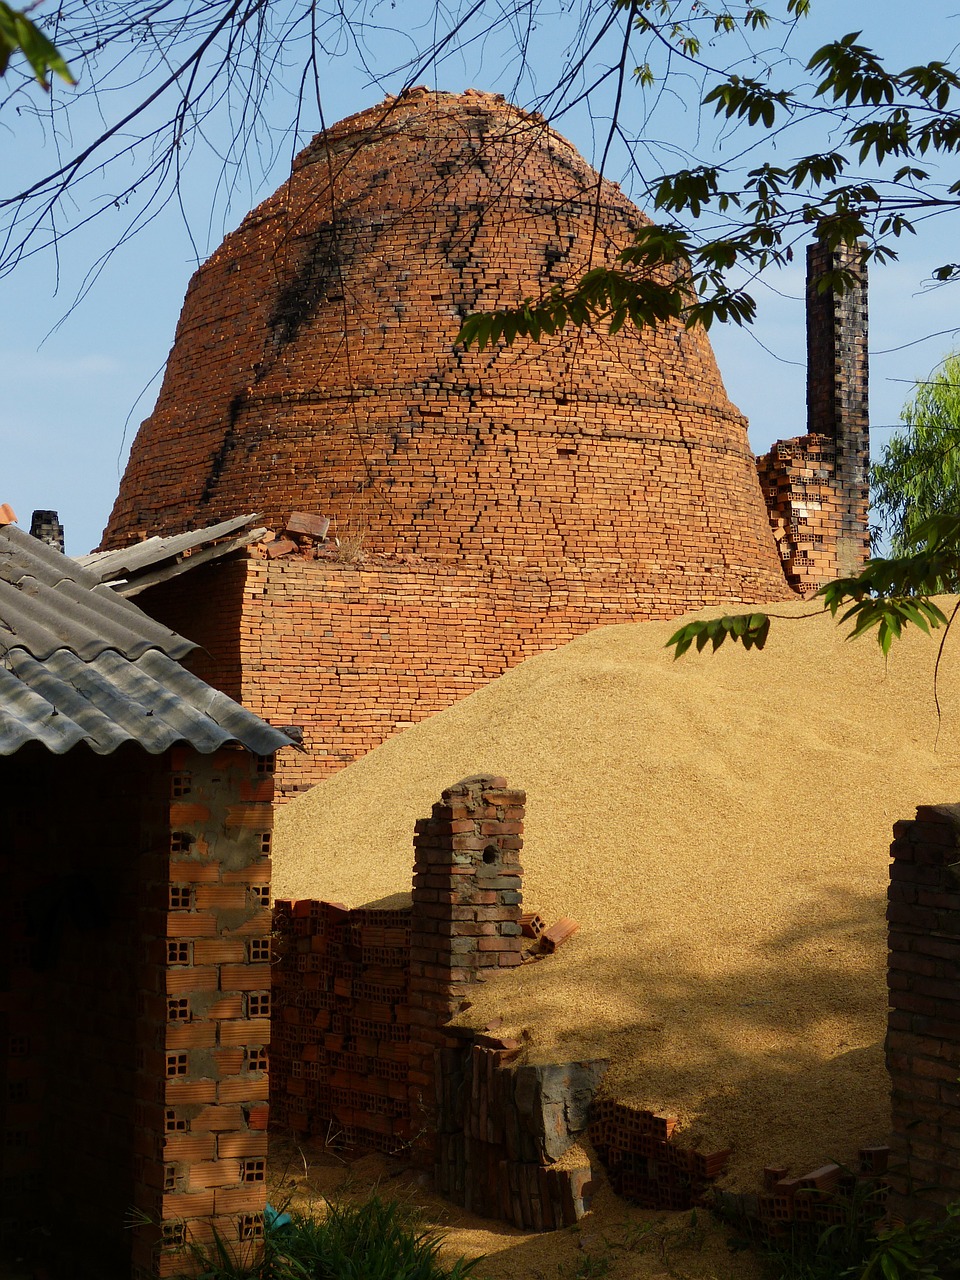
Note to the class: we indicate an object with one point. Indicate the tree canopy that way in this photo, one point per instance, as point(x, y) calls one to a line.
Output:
point(918, 474)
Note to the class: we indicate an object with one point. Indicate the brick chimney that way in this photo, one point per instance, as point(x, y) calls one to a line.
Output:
point(46, 526)
point(817, 486)
point(837, 389)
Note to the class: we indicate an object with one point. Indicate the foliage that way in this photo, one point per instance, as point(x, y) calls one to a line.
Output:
point(918, 474)
point(215, 74)
point(920, 1250)
point(887, 596)
point(894, 120)
point(17, 32)
point(858, 1246)
point(374, 1240)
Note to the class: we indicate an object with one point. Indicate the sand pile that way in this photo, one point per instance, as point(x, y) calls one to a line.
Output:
point(720, 828)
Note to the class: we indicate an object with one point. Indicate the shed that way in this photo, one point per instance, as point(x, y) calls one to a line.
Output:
point(135, 957)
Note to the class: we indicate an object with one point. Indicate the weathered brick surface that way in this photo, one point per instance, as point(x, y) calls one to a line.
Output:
point(315, 365)
point(355, 653)
point(817, 486)
point(923, 1035)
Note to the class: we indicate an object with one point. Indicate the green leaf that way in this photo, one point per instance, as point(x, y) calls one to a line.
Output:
point(17, 32)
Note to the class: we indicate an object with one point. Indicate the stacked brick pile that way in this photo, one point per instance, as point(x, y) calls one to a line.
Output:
point(341, 1033)
point(806, 508)
point(923, 1037)
point(643, 1164)
point(504, 1126)
point(465, 920)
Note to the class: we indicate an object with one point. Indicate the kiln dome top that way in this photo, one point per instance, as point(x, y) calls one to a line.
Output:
point(315, 366)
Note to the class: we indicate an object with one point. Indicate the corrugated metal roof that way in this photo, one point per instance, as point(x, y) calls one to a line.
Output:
point(131, 570)
point(48, 602)
point(78, 664)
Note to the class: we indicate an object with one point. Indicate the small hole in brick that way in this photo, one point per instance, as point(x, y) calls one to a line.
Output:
point(176, 1064)
point(179, 785)
point(178, 953)
point(250, 1226)
point(173, 1123)
point(491, 853)
point(254, 1170)
point(258, 1006)
point(260, 949)
point(265, 842)
point(178, 1010)
point(261, 893)
point(174, 1235)
point(169, 1177)
point(179, 897)
point(180, 842)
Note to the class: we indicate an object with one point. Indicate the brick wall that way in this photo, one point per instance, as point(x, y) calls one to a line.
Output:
point(354, 653)
point(204, 1015)
point(341, 1033)
point(923, 1036)
point(363, 1053)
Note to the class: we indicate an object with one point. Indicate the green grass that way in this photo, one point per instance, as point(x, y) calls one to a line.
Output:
point(375, 1240)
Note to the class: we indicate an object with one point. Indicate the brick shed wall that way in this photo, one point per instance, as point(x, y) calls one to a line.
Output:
point(354, 653)
point(205, 925)
point(134, 1010)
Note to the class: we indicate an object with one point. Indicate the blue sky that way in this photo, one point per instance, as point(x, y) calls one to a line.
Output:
point(77, 382)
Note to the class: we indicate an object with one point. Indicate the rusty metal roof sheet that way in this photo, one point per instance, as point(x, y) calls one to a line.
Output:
point(131, 570)
point(78, 664)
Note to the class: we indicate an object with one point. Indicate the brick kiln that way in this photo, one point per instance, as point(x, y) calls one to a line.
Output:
point(486, 506)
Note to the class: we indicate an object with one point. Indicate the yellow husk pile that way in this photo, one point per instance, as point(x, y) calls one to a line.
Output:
point(720, 828)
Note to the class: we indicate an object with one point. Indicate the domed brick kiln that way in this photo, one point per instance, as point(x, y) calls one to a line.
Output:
point(488, 505)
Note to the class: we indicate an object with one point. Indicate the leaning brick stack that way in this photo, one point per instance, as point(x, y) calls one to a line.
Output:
point(527, 493)
point(643, 1164)
point(923, 1035)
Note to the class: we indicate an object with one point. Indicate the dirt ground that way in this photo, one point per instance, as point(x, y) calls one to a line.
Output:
point(614, 1240)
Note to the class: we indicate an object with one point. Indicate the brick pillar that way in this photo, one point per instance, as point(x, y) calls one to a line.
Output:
point(837, 391)
point(204, 1018)
point(923, 1036)
point(465, 921)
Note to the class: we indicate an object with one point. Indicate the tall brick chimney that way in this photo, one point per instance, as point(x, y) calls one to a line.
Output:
point(817, 486)
point(837, 389)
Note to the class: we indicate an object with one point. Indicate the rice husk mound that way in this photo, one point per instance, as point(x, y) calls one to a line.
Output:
point(720, 827)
